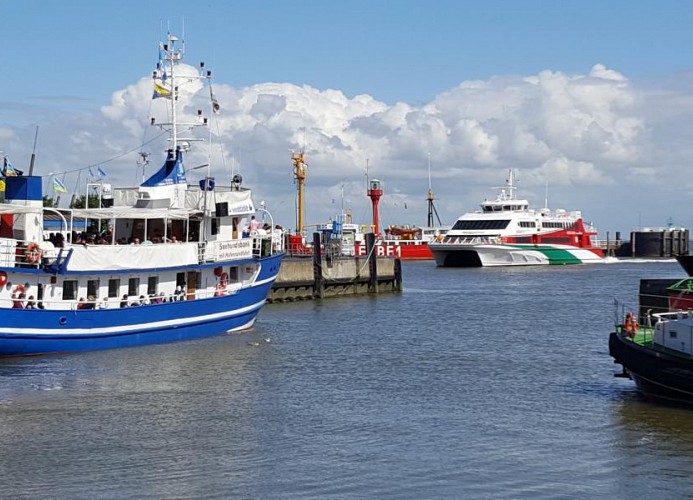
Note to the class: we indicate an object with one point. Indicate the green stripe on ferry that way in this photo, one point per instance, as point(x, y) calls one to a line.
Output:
point(556, 256)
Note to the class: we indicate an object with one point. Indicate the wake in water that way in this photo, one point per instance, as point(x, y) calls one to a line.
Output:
point(635, 260)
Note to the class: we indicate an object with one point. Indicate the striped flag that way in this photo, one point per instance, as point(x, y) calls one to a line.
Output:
point(59, 186)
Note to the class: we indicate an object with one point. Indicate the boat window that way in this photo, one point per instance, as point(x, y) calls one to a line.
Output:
point(152, 285)
point(467, 225)
point(134, 287)
point(180, 279)
point(525, 223)
point(114, 287)
point(215, 225)
point(672, 334)
point(93, 288)
point(70, 290)
point(233, 274)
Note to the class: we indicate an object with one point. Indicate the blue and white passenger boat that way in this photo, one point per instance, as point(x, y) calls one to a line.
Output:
point(161, 262)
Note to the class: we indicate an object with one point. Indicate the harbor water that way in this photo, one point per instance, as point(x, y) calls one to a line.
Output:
point(471, 383)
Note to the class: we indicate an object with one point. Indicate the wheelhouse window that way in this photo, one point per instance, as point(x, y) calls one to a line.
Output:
point(70, 289)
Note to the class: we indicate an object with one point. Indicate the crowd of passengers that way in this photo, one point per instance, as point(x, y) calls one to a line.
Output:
point(106, 238)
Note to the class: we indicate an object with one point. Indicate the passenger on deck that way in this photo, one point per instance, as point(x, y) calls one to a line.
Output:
point(80, 303)
point(30, 304)
point(90, 303)
point(124, 301)
point(19, 302)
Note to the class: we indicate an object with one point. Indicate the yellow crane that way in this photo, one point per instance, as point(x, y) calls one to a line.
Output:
point(300, 178)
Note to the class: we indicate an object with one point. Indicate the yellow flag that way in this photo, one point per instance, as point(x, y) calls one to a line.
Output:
point(2, 184)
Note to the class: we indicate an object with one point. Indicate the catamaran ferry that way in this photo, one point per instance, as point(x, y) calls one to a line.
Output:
point(506, 232)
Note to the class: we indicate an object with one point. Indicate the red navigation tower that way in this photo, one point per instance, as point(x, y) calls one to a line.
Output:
point(375, 191)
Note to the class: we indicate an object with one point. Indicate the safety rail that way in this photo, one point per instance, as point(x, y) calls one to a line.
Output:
point(30, 299)
point(24, 254)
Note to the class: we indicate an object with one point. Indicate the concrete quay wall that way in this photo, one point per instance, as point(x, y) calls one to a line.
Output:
point(307, 279)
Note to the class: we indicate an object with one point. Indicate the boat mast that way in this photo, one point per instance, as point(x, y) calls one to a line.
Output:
point(300, 178)
point(431, 207)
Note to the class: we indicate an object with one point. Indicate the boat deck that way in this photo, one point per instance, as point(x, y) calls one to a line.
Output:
point(645, 337)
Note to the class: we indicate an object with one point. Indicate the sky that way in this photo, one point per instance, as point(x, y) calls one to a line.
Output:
point(589, 102)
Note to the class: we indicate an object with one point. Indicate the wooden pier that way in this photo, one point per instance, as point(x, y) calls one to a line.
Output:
point(320, 276)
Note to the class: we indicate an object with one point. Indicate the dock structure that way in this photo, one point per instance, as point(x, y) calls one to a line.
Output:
point(321, 276)
point(649, 242)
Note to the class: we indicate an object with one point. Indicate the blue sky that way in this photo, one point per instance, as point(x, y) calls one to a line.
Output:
point(62, 62)
point(393, 50)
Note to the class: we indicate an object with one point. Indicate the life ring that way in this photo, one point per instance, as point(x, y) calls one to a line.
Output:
point(3, 278)
point(33, 253)
point(17, 291)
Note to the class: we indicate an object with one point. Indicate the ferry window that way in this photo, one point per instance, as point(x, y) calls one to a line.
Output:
point(233, 275)
point(215, 225)
point(134, 286)
point(152, 285)
point(93, 288)
point(70, 290)
point(672, 334)
point(180, 279)
point(114, 288)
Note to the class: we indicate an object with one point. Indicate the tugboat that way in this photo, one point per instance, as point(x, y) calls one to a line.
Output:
point(506, 232)
point(656, 350)
point(161, 262)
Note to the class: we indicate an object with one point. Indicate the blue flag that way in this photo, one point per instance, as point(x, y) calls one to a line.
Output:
point(101, 172)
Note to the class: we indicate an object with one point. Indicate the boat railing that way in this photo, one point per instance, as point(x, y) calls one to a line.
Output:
point(28, 299)
point(27, 254)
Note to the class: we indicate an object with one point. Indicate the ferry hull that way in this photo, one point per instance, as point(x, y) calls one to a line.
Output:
point(656, 374)
point(35, 332)
point(451, 255)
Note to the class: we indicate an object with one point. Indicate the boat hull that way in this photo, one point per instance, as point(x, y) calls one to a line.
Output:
point(405, 252)
point(452, 255)
point(35, 332)
point(656, 373)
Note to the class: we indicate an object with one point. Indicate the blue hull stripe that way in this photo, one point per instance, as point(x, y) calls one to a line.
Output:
point(127, 329)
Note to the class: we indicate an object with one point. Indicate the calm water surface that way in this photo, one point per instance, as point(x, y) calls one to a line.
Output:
point(472, 383)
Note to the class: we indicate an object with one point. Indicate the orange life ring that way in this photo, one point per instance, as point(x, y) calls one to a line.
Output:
point(3, 278)
point(33, 253)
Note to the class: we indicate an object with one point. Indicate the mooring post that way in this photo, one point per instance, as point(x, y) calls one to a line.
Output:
point(318, 282)
point(398, 275)
point(372, 263)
